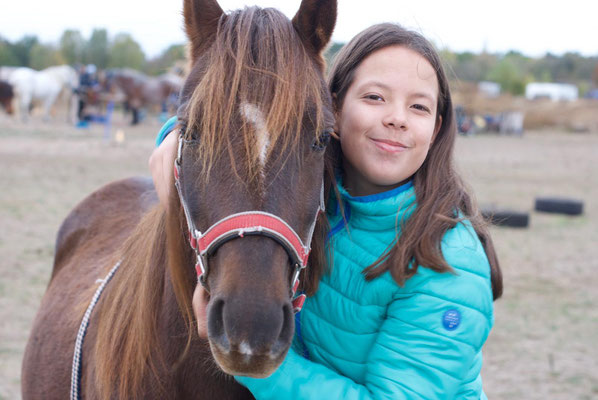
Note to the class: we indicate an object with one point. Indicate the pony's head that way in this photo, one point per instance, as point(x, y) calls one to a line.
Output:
point(255, 116)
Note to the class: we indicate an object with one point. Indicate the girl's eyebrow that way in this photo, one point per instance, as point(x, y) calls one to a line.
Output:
point(424, 95)
point(379, 84)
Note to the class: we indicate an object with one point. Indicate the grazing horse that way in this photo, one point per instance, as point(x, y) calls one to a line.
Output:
point(43, 87)
point(6, 96)
point(142, 91)
point(254, 120)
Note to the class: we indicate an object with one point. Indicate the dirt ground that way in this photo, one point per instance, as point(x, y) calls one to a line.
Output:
point(544, 343)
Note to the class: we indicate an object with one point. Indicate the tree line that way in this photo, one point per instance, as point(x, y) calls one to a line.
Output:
point(120, 51)
point(512, 70)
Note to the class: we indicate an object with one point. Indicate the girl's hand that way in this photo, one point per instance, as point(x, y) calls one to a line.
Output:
point(161, 165)
point(200, 303)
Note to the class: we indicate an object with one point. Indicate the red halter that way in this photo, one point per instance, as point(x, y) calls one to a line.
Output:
point(247, 223)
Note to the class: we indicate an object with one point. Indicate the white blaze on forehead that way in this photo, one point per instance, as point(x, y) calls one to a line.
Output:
point(254, 115)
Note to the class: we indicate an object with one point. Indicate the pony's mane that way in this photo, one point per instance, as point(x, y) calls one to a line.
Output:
point(256, 58)
point(129, 312)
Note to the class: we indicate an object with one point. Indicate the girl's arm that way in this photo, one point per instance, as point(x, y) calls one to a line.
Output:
point(421, 351)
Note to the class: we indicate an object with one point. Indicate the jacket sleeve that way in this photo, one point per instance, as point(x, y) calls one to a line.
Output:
point(425, 349)
point(166, 129)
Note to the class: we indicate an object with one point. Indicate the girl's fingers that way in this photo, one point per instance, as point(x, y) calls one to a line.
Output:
point(200, 304)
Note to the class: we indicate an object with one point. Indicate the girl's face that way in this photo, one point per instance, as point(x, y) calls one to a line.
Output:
point(387, 120)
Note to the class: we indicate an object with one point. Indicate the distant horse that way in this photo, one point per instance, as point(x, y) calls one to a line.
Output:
point(6, 96)
point(254, 121)
point(142, 91)
point(43, 87)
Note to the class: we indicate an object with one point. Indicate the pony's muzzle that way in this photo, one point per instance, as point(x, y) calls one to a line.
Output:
point(250, 339)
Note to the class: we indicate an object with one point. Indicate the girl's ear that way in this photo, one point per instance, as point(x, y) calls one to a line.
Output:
point(336, 132)
point(437, 128)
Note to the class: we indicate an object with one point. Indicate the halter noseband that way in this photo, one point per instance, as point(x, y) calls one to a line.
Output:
point(246, 223)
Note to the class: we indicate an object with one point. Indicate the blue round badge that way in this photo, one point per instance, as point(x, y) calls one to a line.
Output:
point(451, 319)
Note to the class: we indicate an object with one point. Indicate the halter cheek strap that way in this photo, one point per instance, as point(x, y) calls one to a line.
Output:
point(243, 224)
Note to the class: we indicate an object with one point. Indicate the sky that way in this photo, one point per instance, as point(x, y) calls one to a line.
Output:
point(530, 26)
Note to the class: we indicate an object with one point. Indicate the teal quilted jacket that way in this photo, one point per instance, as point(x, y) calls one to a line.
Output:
point(376, 340)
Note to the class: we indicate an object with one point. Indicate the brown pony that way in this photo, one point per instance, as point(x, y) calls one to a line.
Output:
point(142, 91)
point(6, 96)
point(255, 110)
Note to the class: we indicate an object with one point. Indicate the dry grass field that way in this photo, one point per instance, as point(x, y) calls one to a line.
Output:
point(545, 341)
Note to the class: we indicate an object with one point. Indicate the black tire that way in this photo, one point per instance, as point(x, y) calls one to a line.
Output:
point(559, 205)
point(509, 218)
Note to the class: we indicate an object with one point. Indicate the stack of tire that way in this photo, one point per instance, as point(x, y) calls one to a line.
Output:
point(520, 219)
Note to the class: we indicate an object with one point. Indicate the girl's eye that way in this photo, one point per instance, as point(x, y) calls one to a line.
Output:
point(421, 107)
point(320, 143)
point(374, 97)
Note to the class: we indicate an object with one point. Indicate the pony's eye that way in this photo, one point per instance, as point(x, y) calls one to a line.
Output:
point(320, 143)
point(193, 135)
point(188, 134)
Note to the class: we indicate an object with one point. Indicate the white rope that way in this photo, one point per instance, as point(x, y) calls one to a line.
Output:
point(76, 371)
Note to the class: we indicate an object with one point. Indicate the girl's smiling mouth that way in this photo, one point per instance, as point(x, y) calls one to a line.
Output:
point(390, 146)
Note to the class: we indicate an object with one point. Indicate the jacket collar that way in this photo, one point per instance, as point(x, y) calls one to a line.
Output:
point(381, 211)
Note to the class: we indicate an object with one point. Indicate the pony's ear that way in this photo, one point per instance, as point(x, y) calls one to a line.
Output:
point(201, 23)
point(315, 22)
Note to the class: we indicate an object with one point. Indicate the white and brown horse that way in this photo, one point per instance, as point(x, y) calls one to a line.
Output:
point(43, 88)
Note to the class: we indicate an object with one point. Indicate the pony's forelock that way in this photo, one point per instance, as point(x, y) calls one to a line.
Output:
point(256, 59)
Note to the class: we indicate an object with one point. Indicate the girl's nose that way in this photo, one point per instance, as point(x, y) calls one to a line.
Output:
point(396, 118)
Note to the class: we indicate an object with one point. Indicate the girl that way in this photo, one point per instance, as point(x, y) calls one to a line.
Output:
point(407, 304)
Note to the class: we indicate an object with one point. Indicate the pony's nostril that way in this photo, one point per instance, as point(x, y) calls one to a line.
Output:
point(216, 325)
point(287, 331)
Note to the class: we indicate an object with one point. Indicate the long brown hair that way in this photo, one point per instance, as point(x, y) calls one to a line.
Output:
point(443, 199)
